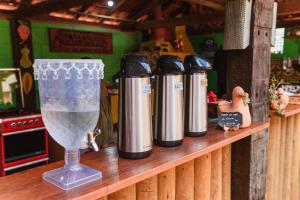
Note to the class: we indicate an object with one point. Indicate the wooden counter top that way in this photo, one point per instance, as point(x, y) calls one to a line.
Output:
point(290, 110)
point(117, 172)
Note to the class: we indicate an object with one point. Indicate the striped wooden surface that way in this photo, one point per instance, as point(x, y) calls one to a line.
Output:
point(283, 169)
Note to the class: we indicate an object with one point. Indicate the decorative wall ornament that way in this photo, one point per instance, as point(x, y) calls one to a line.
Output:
point(63, 40)
point(23, 58)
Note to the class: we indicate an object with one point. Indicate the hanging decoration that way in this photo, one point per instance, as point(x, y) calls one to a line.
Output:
point(23, 58)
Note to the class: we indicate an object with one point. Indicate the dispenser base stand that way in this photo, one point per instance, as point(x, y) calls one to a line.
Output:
point(73, 174)
point(66, 179)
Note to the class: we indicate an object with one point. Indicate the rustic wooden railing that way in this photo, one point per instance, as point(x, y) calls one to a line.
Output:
point(283, 169)
point(198, 169)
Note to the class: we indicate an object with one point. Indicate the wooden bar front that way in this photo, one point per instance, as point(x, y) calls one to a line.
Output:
point(283, 171)
point(202, 163)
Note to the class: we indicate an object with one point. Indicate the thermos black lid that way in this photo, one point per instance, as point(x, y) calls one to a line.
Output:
point(134, 65)
point(168, 64)
point(196, 63)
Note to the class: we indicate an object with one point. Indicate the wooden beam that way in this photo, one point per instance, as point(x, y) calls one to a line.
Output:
point(145, 9)
point(288, 7)
point(193, 20)
point(53, 5)
point(56, 20)
point(207, 3)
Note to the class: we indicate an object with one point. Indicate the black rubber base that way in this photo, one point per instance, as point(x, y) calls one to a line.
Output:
point(137, 155)
point(167, 143)
point(195, 134)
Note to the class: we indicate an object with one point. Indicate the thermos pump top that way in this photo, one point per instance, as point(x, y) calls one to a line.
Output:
point(135, 120)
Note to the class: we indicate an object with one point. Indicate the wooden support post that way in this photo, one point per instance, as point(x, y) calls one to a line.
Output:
point(295, 181)
point(250, 69)
point(147, 189)
point(288, 152)
point(202, 177)
point(128, 193)
point(272, 173)
point(185, 181)
point(216, 175)
point(226, 173)
point(166, 185)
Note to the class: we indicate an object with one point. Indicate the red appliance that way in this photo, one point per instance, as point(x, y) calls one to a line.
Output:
point(23, 142)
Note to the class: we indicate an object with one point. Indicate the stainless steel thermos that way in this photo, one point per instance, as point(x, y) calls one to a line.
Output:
point(135, 120)
point(195, 95)
point(168, 130)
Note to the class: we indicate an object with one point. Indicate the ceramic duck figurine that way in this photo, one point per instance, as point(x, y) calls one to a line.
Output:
point(240, 101)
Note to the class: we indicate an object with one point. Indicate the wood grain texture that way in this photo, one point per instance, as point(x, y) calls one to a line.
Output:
point(226, 172)
point(166, 185)
point(275, 123)
point(185, 181)
point(147, 189)
point(216, 175)
point(203, 177)
point(282, 157)
point(103, 198)
point(288, 156)
point(128, 193)
point(119, 173)
point(290, 110)
point(295, 177)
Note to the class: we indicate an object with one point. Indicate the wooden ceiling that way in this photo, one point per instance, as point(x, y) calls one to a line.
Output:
point(137, 14)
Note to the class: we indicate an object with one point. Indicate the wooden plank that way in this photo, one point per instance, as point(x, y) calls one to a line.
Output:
point(193, 20)
point(147, 189)
point(119, 173)
point(288, 7)
point(288, 156)
point(282, 157)
point(216, 175)
point(277, 152)
point(185, 181)
point(202, 177)
point(272, 166)
point(226, 172)
point(207, 3)
point(290, 110)
point(128, 193)
point(46, 7)
point(295, 177)
point(166, 185)
point(103, 198)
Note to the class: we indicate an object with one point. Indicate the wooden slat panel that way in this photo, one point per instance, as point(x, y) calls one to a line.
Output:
point(282, 157)
point(216, 175)
point(185, 181)
point(147, 189)
point(288, 153)
point(295, 184)
point(226, 173)
point(166, 185)
point(103, 198)
point(272, 158)
point(202, 177)
point(128, 193)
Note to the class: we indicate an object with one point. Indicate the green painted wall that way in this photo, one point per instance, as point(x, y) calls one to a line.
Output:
point(196, 41)
point(290, 49)
point(123, 42)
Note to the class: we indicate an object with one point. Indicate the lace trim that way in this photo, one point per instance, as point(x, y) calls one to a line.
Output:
point(44, 67)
